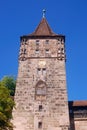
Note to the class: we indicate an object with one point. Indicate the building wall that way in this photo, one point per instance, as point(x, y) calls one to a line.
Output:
point(81, 124)
point(41, 94)
point(78, 115)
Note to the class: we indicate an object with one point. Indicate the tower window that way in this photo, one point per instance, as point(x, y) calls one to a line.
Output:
point(24, 40)
point(24, 51)
point(59, 50)
point(47, 50)
point(39, 125)
point(58, 42)
point(43, 71)
point(41, 88)
point(40, 93)
point(37, 50)
point(40, 107)
point(47, 42)
point(39, 71)
point(62, 50)
point(37, 42)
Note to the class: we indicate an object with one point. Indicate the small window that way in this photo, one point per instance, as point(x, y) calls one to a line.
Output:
point(37, 42)
point(37, 50)
point(40, 107)
point(24, 51)
point(44, 71)
point(58, 42)
point(24, 40)
point(47, 50)
point(62, 41)
point(62, 50)
point(39, 71)
point(59, 50)
point(39, 125)
point(47, 41)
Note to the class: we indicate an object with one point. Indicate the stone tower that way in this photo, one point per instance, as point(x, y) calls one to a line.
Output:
point(41, 94)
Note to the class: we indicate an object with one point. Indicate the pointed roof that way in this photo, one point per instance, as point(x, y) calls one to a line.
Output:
point(43, 29)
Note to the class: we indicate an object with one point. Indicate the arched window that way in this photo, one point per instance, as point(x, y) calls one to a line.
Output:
point(40, 90)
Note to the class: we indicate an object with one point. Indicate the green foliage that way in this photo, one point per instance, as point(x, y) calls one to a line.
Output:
point(10, 83)
point(6, 106)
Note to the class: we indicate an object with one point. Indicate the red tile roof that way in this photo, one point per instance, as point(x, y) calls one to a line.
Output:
point(43, 29)
point(78, 103)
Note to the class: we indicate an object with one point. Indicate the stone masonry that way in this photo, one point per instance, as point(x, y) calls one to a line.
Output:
point(41, 93)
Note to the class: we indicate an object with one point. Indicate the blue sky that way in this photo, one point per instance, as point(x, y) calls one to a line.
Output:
point(68, 17)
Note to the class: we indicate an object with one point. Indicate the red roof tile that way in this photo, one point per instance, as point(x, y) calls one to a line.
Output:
point(78, 103)
point(43, 29)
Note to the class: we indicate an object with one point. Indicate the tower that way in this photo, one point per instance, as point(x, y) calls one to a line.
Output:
point(41, 94)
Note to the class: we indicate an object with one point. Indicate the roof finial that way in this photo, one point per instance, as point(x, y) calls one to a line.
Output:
point(44, 12)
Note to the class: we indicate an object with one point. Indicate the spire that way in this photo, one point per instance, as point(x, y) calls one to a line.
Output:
point(44, 12)
point(43, 29)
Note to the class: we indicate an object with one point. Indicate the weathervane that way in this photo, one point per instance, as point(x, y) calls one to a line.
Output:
point(44, 12)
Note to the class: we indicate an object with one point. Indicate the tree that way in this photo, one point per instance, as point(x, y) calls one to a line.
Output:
point(10, 83)
point(6, 106)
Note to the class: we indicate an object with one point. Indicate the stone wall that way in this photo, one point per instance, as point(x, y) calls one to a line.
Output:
point(41, 94)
